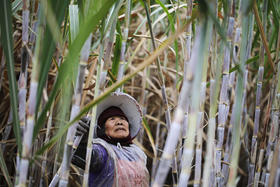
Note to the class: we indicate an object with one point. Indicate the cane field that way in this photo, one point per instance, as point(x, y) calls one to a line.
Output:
point(205, 72)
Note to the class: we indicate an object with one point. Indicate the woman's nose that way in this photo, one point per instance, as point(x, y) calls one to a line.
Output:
point(118, 122)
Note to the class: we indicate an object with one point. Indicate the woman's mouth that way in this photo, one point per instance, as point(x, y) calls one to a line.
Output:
point(120, 129)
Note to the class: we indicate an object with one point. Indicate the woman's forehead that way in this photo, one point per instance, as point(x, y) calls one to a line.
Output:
point(118, 116)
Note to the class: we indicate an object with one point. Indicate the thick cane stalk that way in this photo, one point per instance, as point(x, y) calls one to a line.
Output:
point(194, 107)
point(77, 97)
point(209, 178)
point(237, 111)
point(173, 135)
point(187, 54)
point(92, 124)
point(28, 133)
point(24, 64)
point(224, 102)
point(225, 167)
point(97, 91)
point(254, 144)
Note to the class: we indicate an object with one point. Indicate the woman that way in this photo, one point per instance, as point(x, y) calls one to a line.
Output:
point(115, 160)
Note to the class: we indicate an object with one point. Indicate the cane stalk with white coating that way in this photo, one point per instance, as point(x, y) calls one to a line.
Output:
point(237, 110)
point(97, 91)
point(224, 103)
point(193, 114)
point(187, 54)
point(28, 133)
point(225, 167)
point(217, 66)
point(22, 82)
point(174, 133)
point(76, 101)
point(254, 144)
point(92, 123)
point(275, 171)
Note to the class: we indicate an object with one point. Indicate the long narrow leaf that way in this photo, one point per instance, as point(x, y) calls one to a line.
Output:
point(48, 46)
point(70, 63)
point(7, 44)
point(4, 169)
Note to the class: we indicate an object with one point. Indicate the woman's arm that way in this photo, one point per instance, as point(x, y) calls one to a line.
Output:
point(99, 156)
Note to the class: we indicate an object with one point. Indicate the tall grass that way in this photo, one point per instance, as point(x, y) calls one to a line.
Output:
point(220, 58)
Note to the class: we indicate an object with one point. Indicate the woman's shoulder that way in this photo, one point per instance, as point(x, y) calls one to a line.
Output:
point(101, 144)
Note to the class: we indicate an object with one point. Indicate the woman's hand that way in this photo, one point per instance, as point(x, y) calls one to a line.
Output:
point(83, 126)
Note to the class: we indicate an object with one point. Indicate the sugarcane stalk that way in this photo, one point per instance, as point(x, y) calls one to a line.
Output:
point(92, 124)
point(211, 135)
point(23, 73)
point(228, 146)
point(24, 64)
point(259, 167)
point(68, 148)
point(195, 104)
point(174, 133)
point(124, 40)
point(187, 55)
point(237, 111)
point(268, 168)
point(225, 167)
point(277, 168)
point(28, 133)
point(162, 84)
point(97, 90)
point(224, 102)
point(274, 172)
point(254, 144)
point(198, 151)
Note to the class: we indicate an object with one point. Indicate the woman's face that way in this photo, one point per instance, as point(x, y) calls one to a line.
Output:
point(117, 127)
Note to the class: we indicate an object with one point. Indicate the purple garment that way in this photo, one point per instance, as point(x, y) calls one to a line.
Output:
point(114, 165)
point(102, 167)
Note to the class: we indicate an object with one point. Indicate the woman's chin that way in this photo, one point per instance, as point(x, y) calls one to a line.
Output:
point(120, 136)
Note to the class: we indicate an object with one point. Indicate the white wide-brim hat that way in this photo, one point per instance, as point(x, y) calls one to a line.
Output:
point(128, 105)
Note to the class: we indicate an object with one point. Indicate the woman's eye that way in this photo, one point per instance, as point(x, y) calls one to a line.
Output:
point(112, 118)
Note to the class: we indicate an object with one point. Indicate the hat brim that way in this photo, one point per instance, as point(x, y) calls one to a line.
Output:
point(128, 105)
